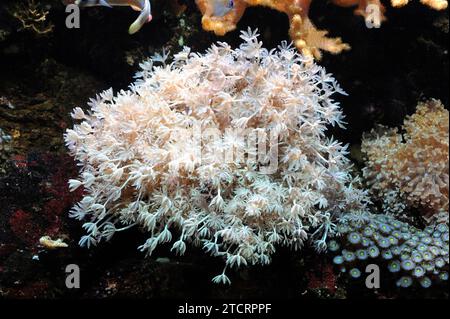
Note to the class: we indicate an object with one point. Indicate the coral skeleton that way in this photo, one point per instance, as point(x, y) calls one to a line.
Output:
point(411, 169)
point(141, 166)
point(306, 37)
point(48, 243)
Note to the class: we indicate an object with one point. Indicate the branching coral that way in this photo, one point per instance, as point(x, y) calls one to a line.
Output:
point(33, 16)
point(309, 40)
point(435, 4)
point(411, 168)
point(306, 37)
point(184, 151)
point(410, 254)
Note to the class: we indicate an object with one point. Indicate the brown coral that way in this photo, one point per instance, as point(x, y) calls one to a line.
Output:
point(33, 16)
point(412, 167)
point(306, 37)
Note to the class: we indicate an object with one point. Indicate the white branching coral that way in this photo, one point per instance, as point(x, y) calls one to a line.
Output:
point(182, 154)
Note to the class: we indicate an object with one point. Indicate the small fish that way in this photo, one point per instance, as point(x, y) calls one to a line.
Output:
point(222, 7)
point(143, 6)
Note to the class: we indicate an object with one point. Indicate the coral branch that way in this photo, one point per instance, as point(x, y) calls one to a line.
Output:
point(306, 37)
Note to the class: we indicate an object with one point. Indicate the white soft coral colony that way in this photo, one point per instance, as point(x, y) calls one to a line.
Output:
point(141, 167)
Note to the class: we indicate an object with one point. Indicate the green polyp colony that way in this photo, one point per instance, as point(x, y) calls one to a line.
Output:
point(387, 254)
point(374, 252)
point(405, 282)
point(355, 273)
point(354, 238)
point(408, 264)
point(348, 256)
point(443, 276)
point(419, 272)
point(412, 256)
point(425, 282)
point(338, 260)
point(362, 254)
point(394, 266)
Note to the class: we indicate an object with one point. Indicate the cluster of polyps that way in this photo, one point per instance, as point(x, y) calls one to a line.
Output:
point(411, 169)
point(138, 167)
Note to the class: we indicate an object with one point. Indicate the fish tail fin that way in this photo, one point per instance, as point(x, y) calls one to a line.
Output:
point(144, 17)
point(134, 27)
point(137, 25)
point(105, 3)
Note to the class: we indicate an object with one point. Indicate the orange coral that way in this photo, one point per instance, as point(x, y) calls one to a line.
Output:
point(306, 37)
point(413, 166)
